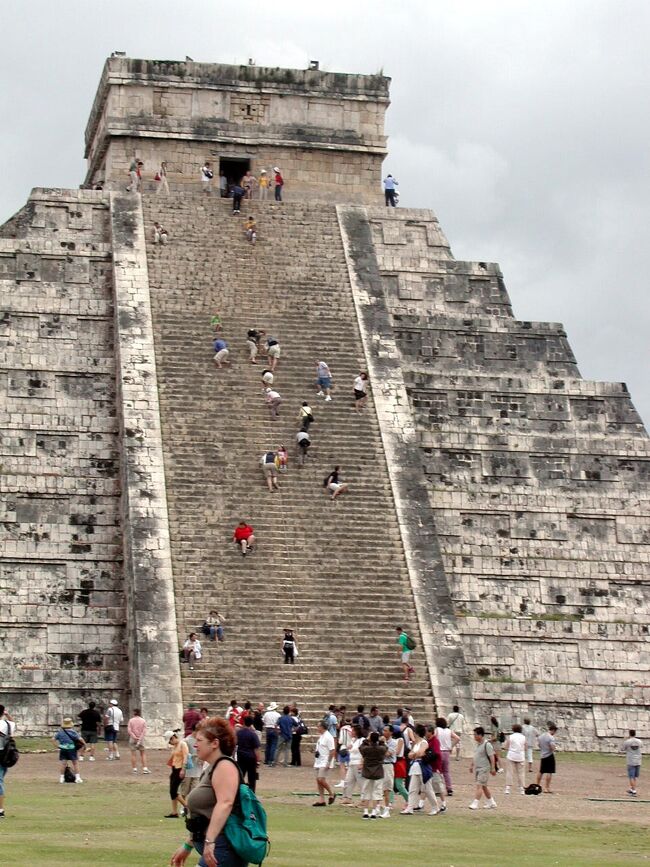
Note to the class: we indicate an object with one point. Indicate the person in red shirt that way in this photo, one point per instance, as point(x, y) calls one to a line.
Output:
point(244, 537)
point(436, 766)
point(278, 183)
point(190, 718)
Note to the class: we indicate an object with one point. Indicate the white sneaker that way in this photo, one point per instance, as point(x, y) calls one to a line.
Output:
point(78, 779)
point(135, 770)
point(407, 811)
point(491, 804)
point(146, 771)
point(117, 755)
point(474, 805)
point(420, 804)
point(81, 758)
point(385, 813)
point(329, 397)
point(321, 394)
point(109, 758)
point(501, 771)
point(522, 791)
point(62, 779)
point(340, 785)
point(432, 813)
point(91, 758)
point(506, 791)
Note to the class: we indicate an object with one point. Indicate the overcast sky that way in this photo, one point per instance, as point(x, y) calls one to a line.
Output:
point(524, 125)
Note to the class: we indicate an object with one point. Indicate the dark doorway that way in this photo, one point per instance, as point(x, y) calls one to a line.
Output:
point(234, 169)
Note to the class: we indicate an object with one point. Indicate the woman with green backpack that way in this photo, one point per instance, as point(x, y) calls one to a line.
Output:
point(226, 823)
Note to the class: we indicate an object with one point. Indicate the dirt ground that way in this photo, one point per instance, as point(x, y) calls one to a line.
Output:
point(578, 778)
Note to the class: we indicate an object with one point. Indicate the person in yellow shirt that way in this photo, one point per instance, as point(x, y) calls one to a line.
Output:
point(250, 228)
point(263, 184)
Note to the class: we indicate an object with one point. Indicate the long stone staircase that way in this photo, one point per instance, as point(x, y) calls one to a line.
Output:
point(333, 570)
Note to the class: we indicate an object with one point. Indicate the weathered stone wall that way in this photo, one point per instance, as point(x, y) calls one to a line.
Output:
point(62, 614)
point(538, 486)
point(325, 130)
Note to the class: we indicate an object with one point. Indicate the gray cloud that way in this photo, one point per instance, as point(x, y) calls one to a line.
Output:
point(523, 125)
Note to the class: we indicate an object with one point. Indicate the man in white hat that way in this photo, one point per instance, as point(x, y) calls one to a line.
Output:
point(270, 723)
point(113, 718)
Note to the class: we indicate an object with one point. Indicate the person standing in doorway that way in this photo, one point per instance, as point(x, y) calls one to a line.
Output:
point(248, 183)
point(7, 730)
point(633, 749)
point(278, 184)
point(456, 723)
point(390, 187)
point(223, 185)
point(91, 721)
point(406, 645)
point(263, 184)
point(482, 767)
point(137, 729)
point(547, 747)
point(323, 756)
point(113, 719)
point(206, 176)
point(270, 722)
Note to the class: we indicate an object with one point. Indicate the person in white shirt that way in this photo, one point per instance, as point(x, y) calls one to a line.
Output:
point(360, 391)
point(456, 723)
point(206, 177)
point(324, 375)
point(113, 718)
point(192, 650)
point(7, 730)
point(447, 740)
point(353, 777)
point(323, 755)
point(531, 734)
point(270, 723)
point(516, 755)
point(161, 179)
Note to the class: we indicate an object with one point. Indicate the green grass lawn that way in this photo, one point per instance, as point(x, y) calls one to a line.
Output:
point(121, 824)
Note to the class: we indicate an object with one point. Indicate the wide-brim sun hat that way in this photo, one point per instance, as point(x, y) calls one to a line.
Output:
point(67, 723)
point(273, 706)
point(170, 734)
point(113, 701)
point(276, 169)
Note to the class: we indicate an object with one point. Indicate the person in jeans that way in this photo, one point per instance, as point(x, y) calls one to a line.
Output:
point(515, 746)
point(270, 723)
point(237, 195)
point(278, 184)
point(390, 187)
point(633, 749)
point(324, 377)
point(372, 770)
point(192, 649)
point(286, 726)
point(437, 780)
point(248, 751)
point(113, 719)
point(483, 765)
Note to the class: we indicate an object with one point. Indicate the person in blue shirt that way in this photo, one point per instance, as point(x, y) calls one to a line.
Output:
point(286, 725)
point(220, 352)
point(69, 743)
point(390, 186)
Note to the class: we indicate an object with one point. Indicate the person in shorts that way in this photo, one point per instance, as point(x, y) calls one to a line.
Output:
point(547, 747)
point(324, 376)
point(482, 767)
point(69, 744)
point(136, 729)
point(360, 391)
point(113, 718)
point(633, 749)
point(405, 652)
point(531, 734)
point(221, 352)
point(270, 471)
point(272, 352)
point(244, 537)
point(323, 755)
point(91, 721)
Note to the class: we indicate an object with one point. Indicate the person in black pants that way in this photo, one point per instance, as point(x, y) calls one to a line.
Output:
point(237, 194)
point(289, 646)
point(248, 752)
point(296, 737)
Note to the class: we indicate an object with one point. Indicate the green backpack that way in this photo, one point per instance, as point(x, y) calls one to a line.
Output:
point(410, 643)
point(245, 828)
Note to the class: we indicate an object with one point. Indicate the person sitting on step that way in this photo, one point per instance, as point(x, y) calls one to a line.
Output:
point(244, 536)
point(334, 485)
point(192, 650)
point(250, 229)
point(160, 235)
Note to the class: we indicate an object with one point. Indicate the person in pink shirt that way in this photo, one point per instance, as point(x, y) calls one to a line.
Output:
point(137, 729)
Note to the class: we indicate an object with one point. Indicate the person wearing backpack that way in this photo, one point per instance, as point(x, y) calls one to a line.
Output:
point(8, 752)
point(407, 645)
point(226, 824)
point(69, 743)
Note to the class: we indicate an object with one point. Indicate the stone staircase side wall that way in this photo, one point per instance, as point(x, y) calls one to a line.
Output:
point(151, 619)
point(440, 634)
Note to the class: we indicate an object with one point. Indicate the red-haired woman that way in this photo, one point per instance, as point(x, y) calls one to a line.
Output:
point(211, 801)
